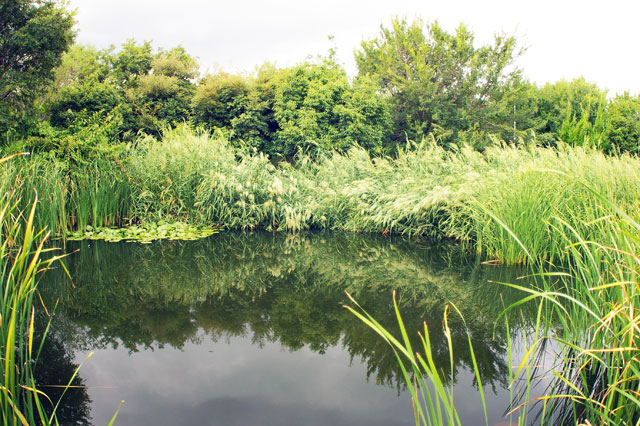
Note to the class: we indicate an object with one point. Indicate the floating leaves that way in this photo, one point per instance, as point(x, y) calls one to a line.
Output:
point(145, 233)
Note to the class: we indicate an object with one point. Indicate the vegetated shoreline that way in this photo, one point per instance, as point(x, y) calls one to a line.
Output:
point(506, 202)
point(517, 204)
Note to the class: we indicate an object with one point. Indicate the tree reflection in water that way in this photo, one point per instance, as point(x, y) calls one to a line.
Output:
point(287, 289)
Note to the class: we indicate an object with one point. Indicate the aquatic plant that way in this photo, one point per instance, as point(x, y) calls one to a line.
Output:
point(146, 233)
point(425, 191)
point(589, 310)
point(21, 402)
point(23, 258)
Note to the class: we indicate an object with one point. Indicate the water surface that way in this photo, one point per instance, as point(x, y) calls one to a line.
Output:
point(241, 329)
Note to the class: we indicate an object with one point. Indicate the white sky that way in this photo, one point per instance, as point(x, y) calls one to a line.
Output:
point(564, 38)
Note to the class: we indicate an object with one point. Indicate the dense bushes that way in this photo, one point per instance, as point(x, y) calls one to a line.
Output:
point(310, 108)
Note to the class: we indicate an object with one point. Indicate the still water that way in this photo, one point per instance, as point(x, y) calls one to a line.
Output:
point(241, 329)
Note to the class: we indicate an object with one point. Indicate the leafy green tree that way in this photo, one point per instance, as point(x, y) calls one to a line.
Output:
point(623, 123)
point(564, 102)
point(131, 63)
point(318, 110)
point(82, 99)
point(256, 125)
point(436, 81)
point(220, 98)
point(80, 64)
point(33, 36)
point(163, 94)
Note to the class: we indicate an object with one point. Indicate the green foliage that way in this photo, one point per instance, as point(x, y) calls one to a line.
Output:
point(81, 63)
point(74, 101)
point(567, 102)
point(33, 34)
point(131, 63)
point(583, 131)
point(220, 98)
point(436, 80)
point(317, 110)
point(310, 108)
point(415, 80)
point(142, 91)
point(146, 233)
point(163, 95)
point(623, 124)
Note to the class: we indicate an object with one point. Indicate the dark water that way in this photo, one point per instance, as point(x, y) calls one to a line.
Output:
point(251, 329)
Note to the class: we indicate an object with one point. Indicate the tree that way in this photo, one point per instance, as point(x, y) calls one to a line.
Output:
point(130, 64)
point(318, 110)
point(33, 36)
point(565, 102)
point(623, 123)
point(436, 80)
point(162, 95)
point(219, 98)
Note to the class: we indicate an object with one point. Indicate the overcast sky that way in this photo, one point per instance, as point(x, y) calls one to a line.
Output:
point(564, 38)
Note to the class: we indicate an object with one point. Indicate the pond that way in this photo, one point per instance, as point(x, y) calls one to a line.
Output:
point(240, 329)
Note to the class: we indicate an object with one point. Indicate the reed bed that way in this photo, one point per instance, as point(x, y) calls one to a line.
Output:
point(597, 301)
point(425, 191)
point(21, 248)
point(589, 310)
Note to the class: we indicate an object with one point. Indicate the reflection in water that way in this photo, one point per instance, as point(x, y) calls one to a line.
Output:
point(52, 373)
point(283, 291)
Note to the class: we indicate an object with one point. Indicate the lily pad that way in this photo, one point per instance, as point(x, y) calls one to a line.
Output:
point(145, 233)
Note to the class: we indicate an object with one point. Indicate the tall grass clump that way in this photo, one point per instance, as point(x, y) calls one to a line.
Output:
point(26, 176)
point(21, 403)
point(598, 306)
point(72, 195)
point(99, 195)
point(514, 216)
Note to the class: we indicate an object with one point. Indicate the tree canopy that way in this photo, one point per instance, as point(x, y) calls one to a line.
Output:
point(33, 36)
point(415, 80)
point(437, 80)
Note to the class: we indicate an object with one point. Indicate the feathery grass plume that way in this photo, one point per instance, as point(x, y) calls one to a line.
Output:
point(426, 191)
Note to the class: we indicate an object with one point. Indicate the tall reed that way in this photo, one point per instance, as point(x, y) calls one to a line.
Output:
point(23, 258)
point(589, 309)
point(20, 262)
point(425, 191)
point(597, 302)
